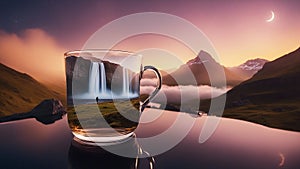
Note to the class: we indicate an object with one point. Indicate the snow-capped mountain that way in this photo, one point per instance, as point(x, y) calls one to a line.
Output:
point(195, 72)
point(249, 68)
point(253, 64)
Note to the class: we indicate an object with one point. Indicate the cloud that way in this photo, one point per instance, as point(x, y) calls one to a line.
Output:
point(148, 82)
point(33, 52)
point(174, 94)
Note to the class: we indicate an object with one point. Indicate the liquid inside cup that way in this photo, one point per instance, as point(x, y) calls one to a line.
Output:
point(106, 121)
point(103, 99)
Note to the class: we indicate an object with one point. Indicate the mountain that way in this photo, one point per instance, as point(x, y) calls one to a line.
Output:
point(151, 74)
point(20, 93)
point(271, 97)
point(253, 65)
point(197, 69)
point(249, 68)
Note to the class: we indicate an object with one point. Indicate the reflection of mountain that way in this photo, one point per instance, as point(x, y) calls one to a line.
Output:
point(249, 68)
point(20, 93)
point(47, 112)
point(271, 97)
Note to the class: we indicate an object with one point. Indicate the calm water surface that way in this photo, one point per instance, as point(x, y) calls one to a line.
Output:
point(234, 144)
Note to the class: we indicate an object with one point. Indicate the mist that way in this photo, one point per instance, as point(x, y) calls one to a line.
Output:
point(34, 52)
point(172, 94)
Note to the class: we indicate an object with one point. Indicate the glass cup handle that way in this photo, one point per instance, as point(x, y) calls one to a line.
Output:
point(158, 87)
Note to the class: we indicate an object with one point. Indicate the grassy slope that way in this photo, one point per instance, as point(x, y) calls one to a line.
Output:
point(278, 115)
point(271, 97)
point(59, 87)
point(90, 118)
point(20, 93)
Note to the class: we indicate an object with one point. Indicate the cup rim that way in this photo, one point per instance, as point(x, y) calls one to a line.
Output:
point(78, 51)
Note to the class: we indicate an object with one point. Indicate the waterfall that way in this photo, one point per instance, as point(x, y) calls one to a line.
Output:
point(129, 82)
point(126, 82)
point(95, 83)
point(103, 78)
point(94, 78)
point(98, 85)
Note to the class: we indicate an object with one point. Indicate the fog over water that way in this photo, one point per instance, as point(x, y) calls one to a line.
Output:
point(172, 94)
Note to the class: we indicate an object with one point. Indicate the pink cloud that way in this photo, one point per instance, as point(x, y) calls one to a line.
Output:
point(148, 82)
point(33, 52)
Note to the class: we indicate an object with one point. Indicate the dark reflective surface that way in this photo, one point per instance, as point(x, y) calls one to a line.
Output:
point(90, 156)
point(85, 156)
point(31, 144)
point(235, 144)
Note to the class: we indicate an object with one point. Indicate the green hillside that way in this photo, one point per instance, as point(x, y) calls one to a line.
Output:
point(20, 93)
point(271, 97)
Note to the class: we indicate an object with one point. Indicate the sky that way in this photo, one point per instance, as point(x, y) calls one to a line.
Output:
point(34, 34)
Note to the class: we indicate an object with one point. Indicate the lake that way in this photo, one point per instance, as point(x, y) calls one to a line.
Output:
point(234, 144)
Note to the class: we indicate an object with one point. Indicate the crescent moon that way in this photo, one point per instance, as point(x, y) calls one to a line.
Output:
point(272, 17)
point(282, 159)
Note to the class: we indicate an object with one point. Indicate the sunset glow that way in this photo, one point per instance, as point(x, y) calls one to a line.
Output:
point(164, 52)
point(33, 52)
point(238, 30)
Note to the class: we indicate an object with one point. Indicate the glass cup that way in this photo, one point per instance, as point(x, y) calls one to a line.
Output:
point(103, 94)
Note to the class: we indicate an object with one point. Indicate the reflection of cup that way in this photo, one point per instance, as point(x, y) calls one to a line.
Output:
point(89, 156)
point(86, 156)
point(103, 94)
